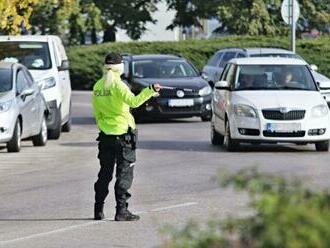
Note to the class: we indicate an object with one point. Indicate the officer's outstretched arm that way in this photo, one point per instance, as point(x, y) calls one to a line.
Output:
point(124, 93)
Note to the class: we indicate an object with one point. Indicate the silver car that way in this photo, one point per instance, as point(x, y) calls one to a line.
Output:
point(23, 111)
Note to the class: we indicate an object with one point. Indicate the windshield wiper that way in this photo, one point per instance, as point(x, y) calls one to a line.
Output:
point(292, 88)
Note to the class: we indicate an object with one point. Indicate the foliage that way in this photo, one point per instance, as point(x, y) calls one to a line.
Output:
point(130, 15)
point(190, 12)
point(15, 14)
point(252, 18)
point(263, 17)
point(285, 215)
point(86, 61)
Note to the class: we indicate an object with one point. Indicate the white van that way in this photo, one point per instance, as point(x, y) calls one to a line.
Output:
point(46, 59)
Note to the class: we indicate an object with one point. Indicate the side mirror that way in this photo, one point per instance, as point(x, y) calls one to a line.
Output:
point(204, 75)
point(27, 92)
point(314, 67)
point(64, 66)
point(221, 85)
point(324, 85)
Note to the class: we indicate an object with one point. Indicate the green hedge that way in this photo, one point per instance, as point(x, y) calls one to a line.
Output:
point(86, 61)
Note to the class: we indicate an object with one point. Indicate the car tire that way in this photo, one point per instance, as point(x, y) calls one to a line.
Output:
point(216, 138)
point(206, 118)
point(322, 146)
point(230, 144)
point(56, 132)
point(14, 145)
point(66, 128)
point(41, 138)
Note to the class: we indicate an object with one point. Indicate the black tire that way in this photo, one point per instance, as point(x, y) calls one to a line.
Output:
point(66, 128)
point(41, 138)
point(14, 145)
point(322, 146)
point(206, 118)
point(56, 132)
point(216, 138)
point(230, 144)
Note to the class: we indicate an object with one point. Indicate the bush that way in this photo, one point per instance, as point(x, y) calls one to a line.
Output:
point(285, 215)
point(86, 61)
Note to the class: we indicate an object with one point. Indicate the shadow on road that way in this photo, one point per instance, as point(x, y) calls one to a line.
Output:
point(55, 219)
point(83, 121)
point(200, 146)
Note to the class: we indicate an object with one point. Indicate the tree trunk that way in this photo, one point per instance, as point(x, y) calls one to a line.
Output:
point(109, 34)
point(94, 36)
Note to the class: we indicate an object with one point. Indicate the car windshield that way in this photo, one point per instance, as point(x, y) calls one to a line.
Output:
point(5, 80)
point(34, 55)
point(274, 77)
point(163, 68)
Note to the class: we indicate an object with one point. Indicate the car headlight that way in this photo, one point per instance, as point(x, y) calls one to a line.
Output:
point(47, 83)
point(207, 90)
point(5, 106)
point(320, 110)
point(245, 111)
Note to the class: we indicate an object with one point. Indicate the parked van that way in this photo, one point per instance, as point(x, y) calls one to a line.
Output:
point(46, 59)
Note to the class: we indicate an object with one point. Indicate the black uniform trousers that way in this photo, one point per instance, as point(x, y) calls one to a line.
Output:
point(119, 150)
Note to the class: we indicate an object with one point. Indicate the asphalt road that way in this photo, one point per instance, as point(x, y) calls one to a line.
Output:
point(47, 193)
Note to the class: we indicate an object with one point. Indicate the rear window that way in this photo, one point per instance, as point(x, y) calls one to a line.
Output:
point(34, 55)
point(6, 83)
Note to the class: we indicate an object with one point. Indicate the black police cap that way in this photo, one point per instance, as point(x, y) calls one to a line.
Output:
point(113, 58)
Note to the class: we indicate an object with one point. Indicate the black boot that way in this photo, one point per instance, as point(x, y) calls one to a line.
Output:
point(98, 211)
point(122, 214)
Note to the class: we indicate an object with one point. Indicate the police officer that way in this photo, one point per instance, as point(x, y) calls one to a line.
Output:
point(112, 101)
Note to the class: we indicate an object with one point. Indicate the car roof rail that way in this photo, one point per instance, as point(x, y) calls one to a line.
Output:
point(237, 48)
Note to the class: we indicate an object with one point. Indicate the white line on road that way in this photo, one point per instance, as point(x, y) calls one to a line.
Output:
point(64, 229)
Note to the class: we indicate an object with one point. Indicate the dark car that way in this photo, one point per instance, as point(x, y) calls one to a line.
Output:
point(185, 92)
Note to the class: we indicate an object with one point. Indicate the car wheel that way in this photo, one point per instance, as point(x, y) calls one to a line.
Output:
point(322, 146)
point(206, 118)
point(230, 144)
point(56, 132)
point(216, 138)
point(14, 145)
point(41, 138)
point(67, 126)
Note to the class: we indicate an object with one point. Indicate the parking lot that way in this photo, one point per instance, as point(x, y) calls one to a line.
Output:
point(47, 192)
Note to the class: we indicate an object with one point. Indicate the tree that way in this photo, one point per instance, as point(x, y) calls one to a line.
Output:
point(15, 14)
point(263, 17)
point(252, 17)
point(130, 15)
point(315, 14)
point(190, 12)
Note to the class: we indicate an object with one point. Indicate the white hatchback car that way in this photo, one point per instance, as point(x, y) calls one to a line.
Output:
point(269, 100)
point(45, 57)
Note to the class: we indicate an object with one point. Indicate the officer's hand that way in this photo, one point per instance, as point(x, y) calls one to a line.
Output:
point(156, 87)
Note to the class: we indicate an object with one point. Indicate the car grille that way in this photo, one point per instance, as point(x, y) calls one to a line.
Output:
point(171, 93)
point(289, 116)
point(284, 135)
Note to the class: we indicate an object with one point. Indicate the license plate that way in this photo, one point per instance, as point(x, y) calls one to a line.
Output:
point(283, 127)
point(180, 102)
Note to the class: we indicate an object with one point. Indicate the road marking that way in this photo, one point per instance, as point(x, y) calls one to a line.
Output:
point(64, 229)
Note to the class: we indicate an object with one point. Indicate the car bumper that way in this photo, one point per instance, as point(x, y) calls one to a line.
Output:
point(160, 108)
point(256, 130)
point(7, 125)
